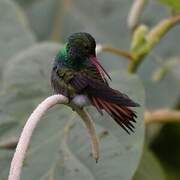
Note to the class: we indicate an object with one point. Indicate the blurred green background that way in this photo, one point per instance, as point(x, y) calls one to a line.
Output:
point(31, 33)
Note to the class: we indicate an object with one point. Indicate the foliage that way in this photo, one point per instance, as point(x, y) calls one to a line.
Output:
point(34, 65)
point(174, 4)
point(60, 148)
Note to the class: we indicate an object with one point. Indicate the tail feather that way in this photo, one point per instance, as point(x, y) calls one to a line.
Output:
point(97, 105)
point(123, 115)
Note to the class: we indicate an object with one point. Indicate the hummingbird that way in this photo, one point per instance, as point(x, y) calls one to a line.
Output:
point(78, 75)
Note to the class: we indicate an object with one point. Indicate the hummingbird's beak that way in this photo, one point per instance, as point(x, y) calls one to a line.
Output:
point(99, 67)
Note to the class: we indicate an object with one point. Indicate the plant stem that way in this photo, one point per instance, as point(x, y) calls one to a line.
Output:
point(61, 7)
point(116, 51)
point(135, 13)
point(92, 131)
point(25, 138)
point(152, 38)
point(162, 116)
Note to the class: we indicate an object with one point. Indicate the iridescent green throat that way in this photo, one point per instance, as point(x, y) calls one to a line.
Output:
point(68, 61)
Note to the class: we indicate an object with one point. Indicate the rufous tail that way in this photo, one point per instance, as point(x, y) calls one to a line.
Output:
point(123, 115)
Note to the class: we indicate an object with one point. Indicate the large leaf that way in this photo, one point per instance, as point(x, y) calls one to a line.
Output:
point(5, 157)
point(41, 15)
point(26, 68)
point(54, 154)
point(14, 33)
point(25, 3)
point(42, 23)
point(19, 97)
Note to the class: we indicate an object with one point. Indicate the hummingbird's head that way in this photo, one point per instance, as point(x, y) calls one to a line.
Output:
point(81, 46)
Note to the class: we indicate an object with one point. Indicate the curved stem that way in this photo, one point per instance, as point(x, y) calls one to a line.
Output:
point(92, 131)
point(17, 161)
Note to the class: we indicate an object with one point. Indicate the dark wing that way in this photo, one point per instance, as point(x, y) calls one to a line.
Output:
point(89, 81)
point(115, 103)
point(84, 83)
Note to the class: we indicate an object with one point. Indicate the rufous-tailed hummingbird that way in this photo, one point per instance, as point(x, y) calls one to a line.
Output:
point(78, 75)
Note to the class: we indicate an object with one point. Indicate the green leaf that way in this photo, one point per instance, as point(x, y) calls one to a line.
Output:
point(26, 80)
point(77, 16)
point(14, 33)
point(149, 168)
point(54, 154)
point(174, 4)
point(5, 157)
point(19, 97)
point(40, 15)
point(25, 3)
